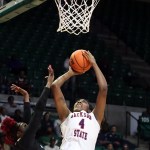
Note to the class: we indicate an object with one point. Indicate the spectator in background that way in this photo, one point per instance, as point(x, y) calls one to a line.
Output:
point(109, 146)
point(22, 80)
point(144, 124)
point(57, 129)
point(104, 126)
point(52, 145)
point(11, 106)
point(2, 113)
point(110, 137)
point(114, 137)
point(46, 125)
point(102, 139)
point(147, 112)
point(46, 130)
point(18, 116)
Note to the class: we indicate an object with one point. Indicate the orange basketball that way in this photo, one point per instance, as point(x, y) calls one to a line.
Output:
point(78, 62)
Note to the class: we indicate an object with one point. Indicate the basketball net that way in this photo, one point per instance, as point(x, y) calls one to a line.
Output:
point(75, 15)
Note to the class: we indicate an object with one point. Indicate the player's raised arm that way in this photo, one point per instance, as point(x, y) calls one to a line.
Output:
point(102, 93)
point(61, 106)
point(18, 89)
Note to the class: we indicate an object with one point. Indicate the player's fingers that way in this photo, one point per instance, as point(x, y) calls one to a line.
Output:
point(85, 54)
point(16, 89)
point(50, 69)
point(46, 77)
point(12, 87)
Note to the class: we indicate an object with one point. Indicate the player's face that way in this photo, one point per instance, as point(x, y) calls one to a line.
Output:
point(81, 104)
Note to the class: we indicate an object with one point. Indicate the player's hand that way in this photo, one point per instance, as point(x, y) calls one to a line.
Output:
point(15, 88)
point(72, 72)
point(50, 77)
point(90, 57)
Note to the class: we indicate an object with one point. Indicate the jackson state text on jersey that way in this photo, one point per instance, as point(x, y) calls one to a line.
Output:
point(80, 129)
point(77, 132)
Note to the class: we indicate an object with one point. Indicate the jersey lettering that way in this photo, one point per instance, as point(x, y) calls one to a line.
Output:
point(81, 114)
point(81, 123)
point(81, 134)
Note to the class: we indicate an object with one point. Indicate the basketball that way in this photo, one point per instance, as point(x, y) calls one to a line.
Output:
point(78, 62)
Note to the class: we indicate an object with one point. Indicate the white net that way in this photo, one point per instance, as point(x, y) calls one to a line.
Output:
point(75, 15)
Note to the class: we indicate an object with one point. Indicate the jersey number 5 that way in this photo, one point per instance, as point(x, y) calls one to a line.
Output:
point(81, 124)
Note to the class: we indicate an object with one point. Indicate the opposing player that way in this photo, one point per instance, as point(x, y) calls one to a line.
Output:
point(80, 128)
point(9, 139)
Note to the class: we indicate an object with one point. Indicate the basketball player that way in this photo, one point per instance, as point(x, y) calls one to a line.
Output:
point(80, 128)
point(21, 134)
point(9, 140)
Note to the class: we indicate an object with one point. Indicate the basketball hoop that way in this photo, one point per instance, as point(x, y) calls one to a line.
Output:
point(75, 15)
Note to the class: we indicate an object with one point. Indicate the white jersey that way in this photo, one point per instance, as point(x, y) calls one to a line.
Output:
point(80, 131)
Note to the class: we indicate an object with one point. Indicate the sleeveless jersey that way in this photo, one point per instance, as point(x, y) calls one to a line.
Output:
point(80, 131)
